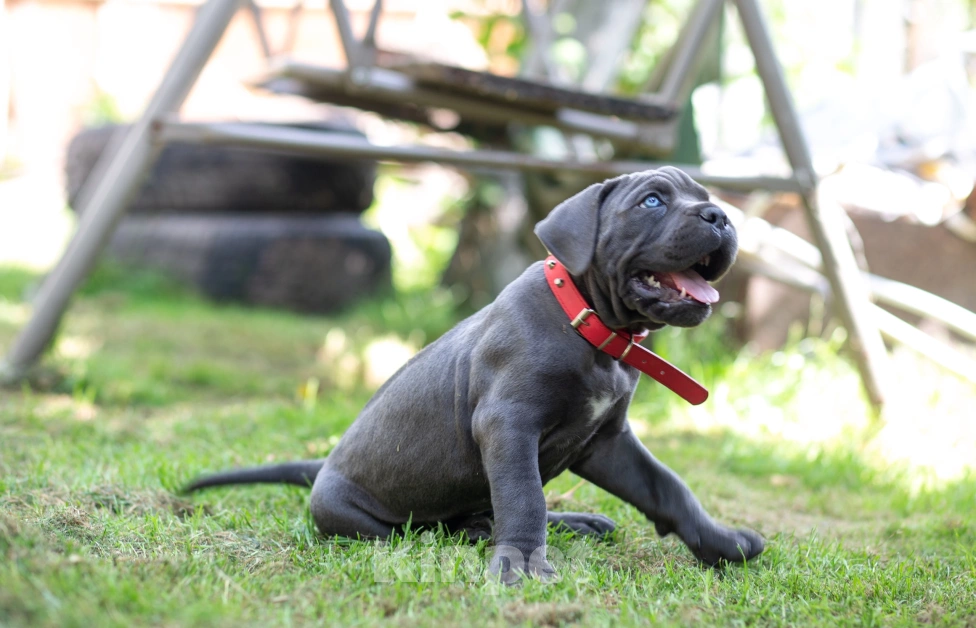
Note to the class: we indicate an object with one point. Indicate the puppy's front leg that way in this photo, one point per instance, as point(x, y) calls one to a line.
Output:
point(510, 455)
point(620, 464)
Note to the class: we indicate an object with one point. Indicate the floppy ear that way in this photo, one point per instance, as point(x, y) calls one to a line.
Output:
point(570, 230)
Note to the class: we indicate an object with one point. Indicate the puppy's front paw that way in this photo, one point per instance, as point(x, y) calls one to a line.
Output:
point(508, 565)
point(714, 544)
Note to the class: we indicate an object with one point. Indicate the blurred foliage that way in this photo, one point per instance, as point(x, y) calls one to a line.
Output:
point(505, 40)
point(502, 36)
point(657, 33)
point(15, 283)
point(101, 110)
point(133, 285)
point(9, 166)
point(422, 240)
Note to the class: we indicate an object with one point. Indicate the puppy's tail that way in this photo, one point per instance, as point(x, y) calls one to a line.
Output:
point(298, 473)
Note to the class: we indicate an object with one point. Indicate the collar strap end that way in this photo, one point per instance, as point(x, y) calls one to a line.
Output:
point(587, 323)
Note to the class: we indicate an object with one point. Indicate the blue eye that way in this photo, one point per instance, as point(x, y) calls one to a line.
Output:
point(651, 202)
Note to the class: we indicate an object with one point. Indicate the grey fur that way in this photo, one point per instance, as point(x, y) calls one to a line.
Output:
point(477, 423)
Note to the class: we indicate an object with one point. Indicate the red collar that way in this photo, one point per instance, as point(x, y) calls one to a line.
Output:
point(619, 344)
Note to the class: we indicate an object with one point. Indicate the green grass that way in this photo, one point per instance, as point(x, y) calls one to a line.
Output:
point(148, 386)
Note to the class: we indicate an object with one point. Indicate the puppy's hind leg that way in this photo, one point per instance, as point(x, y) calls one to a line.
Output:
point(342, 508)
point(479, 526)
point(475, 527)
point(581, 523)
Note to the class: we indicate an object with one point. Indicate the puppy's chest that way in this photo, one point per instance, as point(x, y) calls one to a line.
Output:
point(591, 407)
point(598, 406)
point(604, 390)
point(568, 437)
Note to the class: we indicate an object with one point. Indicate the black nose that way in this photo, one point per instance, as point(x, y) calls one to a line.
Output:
point(714, 215)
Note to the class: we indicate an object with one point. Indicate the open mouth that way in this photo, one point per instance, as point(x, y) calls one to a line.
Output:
point(688, 284)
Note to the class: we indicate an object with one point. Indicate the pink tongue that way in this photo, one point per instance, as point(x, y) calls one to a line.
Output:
point(695, 285)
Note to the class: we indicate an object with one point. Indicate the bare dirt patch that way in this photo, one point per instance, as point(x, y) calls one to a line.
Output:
point(74, 522)
point(117, 500)
point(120, 501)
point(543, 613)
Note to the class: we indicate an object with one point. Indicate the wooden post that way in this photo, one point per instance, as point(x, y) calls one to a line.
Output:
point(823, 215)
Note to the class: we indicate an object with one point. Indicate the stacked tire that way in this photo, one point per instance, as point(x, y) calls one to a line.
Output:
point(244, 225)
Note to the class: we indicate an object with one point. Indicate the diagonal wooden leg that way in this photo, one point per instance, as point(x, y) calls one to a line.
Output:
point(850, 291)
point(111, 185)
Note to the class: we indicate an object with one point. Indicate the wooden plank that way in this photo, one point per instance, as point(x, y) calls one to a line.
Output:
point(392, 93)
point(532, 95)
point(327, 144)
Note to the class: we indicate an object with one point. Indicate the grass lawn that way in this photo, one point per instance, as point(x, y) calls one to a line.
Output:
point(868, 522)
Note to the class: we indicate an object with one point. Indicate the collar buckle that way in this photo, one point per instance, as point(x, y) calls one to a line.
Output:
point(580, 319)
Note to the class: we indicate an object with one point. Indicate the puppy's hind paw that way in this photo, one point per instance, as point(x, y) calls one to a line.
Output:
point(581, 523)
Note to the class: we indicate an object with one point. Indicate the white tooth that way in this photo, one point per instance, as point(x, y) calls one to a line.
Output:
point(684, 293)
point(706, 260)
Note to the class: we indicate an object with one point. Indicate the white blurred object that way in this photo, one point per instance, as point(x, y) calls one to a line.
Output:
point(963, 226)
point(892, 194)
point(933, 115)
point(895, 123)
point(34, 224)
point(434, 36)
point(927, 114)
point(4, 81)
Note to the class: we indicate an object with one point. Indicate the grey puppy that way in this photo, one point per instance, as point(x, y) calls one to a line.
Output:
point(478, 422)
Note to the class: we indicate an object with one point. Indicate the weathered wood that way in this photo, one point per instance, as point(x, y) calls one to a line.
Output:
point(369, 39)
point(912, 337)
point(394, 94)
point(532, 95)
point(537, 63)
point(318, 143)
point(258, 19)
point(677, 76)
point(355, 55)
point(888, 324)
point(763, 249)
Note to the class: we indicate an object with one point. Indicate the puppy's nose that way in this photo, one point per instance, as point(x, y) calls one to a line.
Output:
point(714, 215)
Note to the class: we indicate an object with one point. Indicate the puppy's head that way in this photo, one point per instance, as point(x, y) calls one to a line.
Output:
point(644, 246)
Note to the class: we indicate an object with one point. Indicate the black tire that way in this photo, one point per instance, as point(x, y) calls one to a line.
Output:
point(307, 263)
point(205, 178)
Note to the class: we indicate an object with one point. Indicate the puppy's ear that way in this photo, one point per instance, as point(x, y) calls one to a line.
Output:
point(570, 230)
